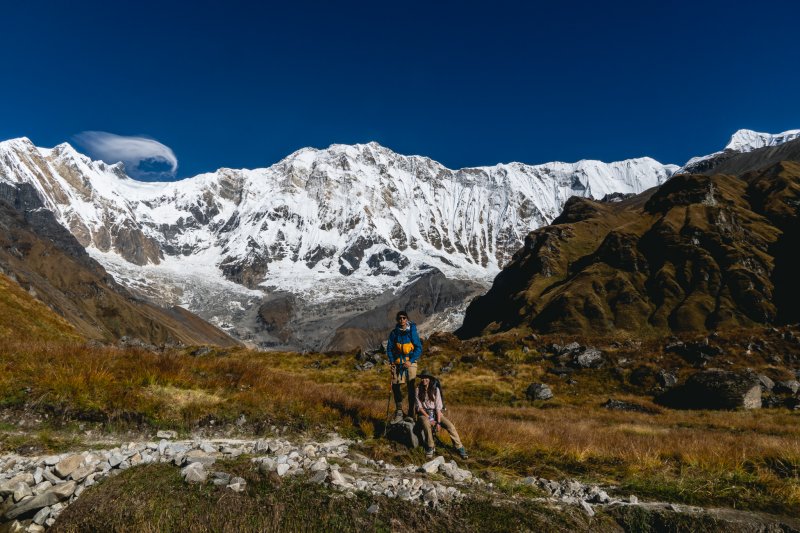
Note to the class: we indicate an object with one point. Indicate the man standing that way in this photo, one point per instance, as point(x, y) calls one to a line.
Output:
point(403, 350)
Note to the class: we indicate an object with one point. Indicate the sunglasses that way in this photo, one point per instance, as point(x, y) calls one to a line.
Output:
point(402, 318)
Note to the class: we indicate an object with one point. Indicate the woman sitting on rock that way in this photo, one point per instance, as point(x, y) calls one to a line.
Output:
point(429, 409)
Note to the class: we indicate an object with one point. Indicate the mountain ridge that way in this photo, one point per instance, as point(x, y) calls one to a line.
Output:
point(350, 221)
point(701, 252)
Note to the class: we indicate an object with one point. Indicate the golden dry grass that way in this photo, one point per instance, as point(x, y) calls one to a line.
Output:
point(746, 458)
point(25, 318)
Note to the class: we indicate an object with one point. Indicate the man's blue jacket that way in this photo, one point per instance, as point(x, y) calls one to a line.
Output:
point(404, 344)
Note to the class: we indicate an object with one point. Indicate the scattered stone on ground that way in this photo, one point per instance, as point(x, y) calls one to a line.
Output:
point(37, 489)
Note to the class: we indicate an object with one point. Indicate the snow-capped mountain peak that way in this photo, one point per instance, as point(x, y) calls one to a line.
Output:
point(329, 225)
point(749, 140)
point(742, 141)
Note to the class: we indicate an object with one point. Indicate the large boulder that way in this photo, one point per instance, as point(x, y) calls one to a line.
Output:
point(715, 389)
point(405, 433)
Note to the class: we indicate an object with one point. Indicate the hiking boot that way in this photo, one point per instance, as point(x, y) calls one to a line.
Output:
point(463, 453)
point(429, 452)
point(398, 416)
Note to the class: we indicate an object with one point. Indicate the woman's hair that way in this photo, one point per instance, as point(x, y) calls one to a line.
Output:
point(431, 390)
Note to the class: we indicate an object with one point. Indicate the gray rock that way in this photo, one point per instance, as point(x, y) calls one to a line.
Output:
point(79, 474)
point(67, 465)
point(282, 469)
point(570, 348)
point(49, 476)
point(237, 484)
point(8, 487)
point(373, 509)
point(766, 383)
point(455, 473)
point(666, 379)
point(40, 517)
point(42, 487)
point(199, 456)
point(21, 490)
point(54, 495)
point(178, 448)
point(431, 467)
point(715, 389)
point(266, 466)
point(430, 498)
point(233, 452)
point(337, 478)
point(590, 358)
point(319, 477)
point(587, 508)
point(404, 433)
point(538, 391)
point(194, 473)
point(169, 435)
point(320, 464)
point(223, 476)
point(38, 475)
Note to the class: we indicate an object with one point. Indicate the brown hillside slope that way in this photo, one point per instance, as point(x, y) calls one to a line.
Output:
point(47, 261)
point(700, 252)
point(23, 316)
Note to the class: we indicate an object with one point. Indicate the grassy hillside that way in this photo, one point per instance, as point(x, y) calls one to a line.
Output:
point(746, 459)
point(699, 253)
point(47, 260)
point(24, 318)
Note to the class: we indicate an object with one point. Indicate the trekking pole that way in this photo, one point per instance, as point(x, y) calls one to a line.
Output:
point(388, 400)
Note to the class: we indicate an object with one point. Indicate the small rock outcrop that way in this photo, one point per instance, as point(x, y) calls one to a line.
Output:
point(538, 391)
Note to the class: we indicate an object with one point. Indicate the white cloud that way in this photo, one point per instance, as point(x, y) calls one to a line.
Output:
point(144, 159)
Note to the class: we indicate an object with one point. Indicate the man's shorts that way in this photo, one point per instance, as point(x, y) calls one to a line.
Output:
point(400, 374)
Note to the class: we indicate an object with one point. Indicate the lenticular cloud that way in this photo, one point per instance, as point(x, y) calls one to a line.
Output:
point(144, 159)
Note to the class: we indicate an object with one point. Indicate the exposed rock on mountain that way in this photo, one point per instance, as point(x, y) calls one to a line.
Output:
point(429, 294)
point(700, 252)
point(48, 262)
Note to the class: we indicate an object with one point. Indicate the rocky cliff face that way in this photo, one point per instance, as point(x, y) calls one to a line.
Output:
point(700, 252)
point(337, 228)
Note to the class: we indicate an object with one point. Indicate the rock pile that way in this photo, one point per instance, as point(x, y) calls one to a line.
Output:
point(574, 492)
point(35, 490)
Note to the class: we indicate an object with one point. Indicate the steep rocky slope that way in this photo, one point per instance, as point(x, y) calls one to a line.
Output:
point(698, 253)
point(50, 264)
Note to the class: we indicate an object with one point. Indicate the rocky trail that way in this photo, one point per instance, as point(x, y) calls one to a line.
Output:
point(34, 491)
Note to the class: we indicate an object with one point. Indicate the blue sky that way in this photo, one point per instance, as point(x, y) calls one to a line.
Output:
point(230, 84)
